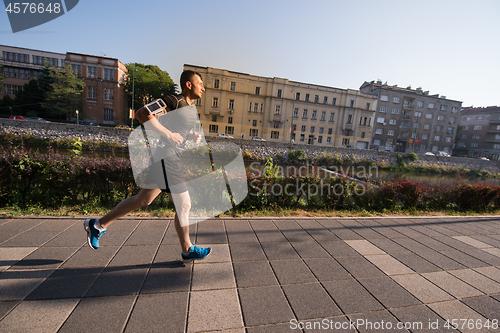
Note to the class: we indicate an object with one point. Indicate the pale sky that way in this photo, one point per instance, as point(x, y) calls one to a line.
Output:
point(449, 47)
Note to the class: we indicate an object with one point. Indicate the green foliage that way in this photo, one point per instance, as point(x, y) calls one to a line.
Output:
point(297, 155)
point(413, 157)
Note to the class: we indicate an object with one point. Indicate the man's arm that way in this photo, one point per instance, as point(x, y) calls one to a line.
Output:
point(152, 124)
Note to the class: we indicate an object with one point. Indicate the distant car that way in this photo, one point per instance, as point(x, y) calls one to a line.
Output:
point(36, 119)
point(257, 138)
point(123, 127)
point(17, 117)
point(429, 153)
point(484, 158)
point(442, 153)
point(224, 135)
point(87, 123)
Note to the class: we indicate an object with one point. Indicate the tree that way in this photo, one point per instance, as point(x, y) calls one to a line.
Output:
point(2, 77)
point(28, 101)
point(147, 82)
point(65, 93)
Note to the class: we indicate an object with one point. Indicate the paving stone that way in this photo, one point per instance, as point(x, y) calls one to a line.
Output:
point(248, 252)
point(389, 246)
point(494, 251)
point(16, 227)
point(389, 265)
point(486, 306)
point(220, 253)
point(310, 301)
point(147, 233)
point(377, 321)
point(409, 232)
point(310, 250)
point(327, 269)
point(420, 318)
point(441, 261)
point(389, 232)
point(472, 242)
point(17, 284)
point(117, 281)
point(416, 262)
point(171, 238)
point(279, 251)
point(66, 283)
point(332, 324)
point(85, 257)
point(491, 256)
point(279, 328)
point(477, 280)
point(352, 297)
point(388, 292)
point(359, 267)
point(38, 316)
point(240, 232)
point(167, 279)
point(30, 238)
point(457, 310)
point(169, 255)
point(364, 247)
point(11, 255)
point(45, 258)
point(317, 231)
point(345, 234)
point(452, 284)
point(111, 312)
point(214, 310)
point(338, 249)
point(412, 245)
point(434, 244)
point(254, 274)
point(424, 230)
point(267, 232)
point(6, 307)
point(213, 276)
point(292, 271)
point(134, 256)
point(491, 272)
point(71, 237)
point(211, 232)
point(159, 313)
point(464, 259)
point(264, 305)
point(421, 288)
point(489, 240)
point(456, 244)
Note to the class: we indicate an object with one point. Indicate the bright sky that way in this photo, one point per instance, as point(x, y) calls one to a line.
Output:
point(449, 47)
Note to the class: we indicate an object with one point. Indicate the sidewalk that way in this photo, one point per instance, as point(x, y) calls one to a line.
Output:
point(264, 275)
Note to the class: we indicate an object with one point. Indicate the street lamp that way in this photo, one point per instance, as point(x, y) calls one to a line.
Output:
point(76, 111)
point(133, 86)
point(291, 123)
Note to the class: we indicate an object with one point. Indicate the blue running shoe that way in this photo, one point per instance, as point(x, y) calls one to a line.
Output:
point(93, 234)
point(196, 253)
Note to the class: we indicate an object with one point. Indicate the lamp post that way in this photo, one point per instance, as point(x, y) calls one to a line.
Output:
point(133, 86)
point(291, 123)
point(76, 111)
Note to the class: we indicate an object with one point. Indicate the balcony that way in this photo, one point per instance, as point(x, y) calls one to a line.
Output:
point(402, 137)
point(277, 117)
point(408, 107)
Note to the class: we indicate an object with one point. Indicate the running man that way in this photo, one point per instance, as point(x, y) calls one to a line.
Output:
point(192, 88)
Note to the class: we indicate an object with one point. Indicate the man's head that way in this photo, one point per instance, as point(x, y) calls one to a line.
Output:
point(192, 84)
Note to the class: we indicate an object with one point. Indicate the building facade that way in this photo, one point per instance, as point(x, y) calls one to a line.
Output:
point(479, 133)
point(409, 120)
point(104, 98)
point(277, 109)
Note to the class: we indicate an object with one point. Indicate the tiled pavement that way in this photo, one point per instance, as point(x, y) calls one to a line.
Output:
point(265, 275)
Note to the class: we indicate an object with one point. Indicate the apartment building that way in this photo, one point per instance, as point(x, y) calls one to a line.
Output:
point(479, 134)
point(409, 119)
point(104, 98)
point(280, 110)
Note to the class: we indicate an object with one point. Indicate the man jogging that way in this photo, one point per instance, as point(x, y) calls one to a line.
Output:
point(192, 88)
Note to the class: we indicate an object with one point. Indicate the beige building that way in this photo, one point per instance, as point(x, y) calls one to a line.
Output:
point(276, 109)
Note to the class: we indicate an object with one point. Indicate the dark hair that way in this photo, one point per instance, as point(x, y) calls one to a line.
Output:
point(188, 75)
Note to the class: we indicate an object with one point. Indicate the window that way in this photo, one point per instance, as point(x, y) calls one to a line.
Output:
point(307, 98)
point(213, 128)
point(381, 120)
point(92, 92)
point(262, 108)
point(477, 136)
point(18, 57)
point(478, 127)
point(229, 130)
point(77, 70)
point(498, 127)
point(396, 100)
point(215, 102)
point(313, 116)
point(334, 101)
point(427, 126)
point(250, 108)
point(474, 145)
point(108, 114)
point(296, 113)
point(364, 123)
point(430, 106)
point(316, 99)
point(345, 142)
point(108, 74)
point(349, 119)
point(450, 130)
point(198, 102)
point(328, 140)
point(321, 129)
point(297, 96)
point(440, 118)
point(329, 131)
point(108, 94)
point(275, 135)
point(463, 136)
point(277, 111)
point(425, 136)
point(254, 122)
point(332, 116)
point(394, 111)
point(362, 135)
point(414, 135)
point(417, 114)
point(320, 139)
point(480, 118)
point(231, 104)
point(439, 128)
point(233, 86)
point(382, 109)
point(376, 142)
point(454, 109)
point(216, 83)
point(229, 120)
point(323, 116)
point(325, 100)
point(437, 138)
point(428, 116)
point(279, 93)
point(304, 114)
point(312, 129)
point(92, 72)
point(420, 104)
point(276, 124)
point(256, 108)
point(443, 107)
point(302, 137)
point(303, 128)
point(497, 137)
point(384, 98)
point(452, 120)
point(352, 103)
point(257, 90)
point(461, 144)
point(416, 125)
point(466, 128)
point(214, 119)
point(390, 132)
point(379, 131)
point(393, 122)
point(254, 132)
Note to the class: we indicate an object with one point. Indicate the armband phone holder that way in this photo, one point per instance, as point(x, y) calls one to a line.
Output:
point(155, 107)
